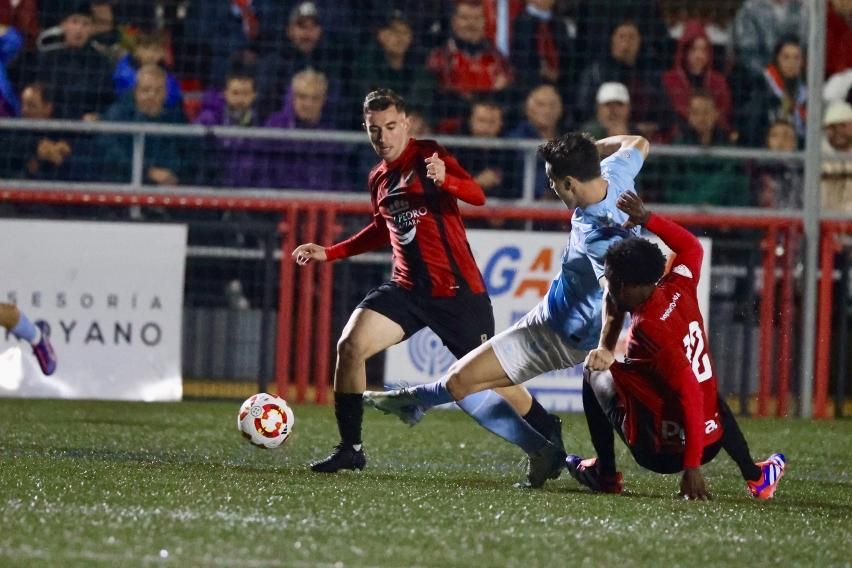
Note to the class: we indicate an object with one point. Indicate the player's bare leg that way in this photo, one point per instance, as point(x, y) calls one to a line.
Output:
point(366, 333)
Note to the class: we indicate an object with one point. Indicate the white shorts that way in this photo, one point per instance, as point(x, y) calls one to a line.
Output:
point(531, 347)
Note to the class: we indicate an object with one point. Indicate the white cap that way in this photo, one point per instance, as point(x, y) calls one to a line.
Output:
point(837, 112)
point(613, 93)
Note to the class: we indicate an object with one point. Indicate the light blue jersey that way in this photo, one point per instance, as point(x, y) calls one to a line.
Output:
point(573, 303)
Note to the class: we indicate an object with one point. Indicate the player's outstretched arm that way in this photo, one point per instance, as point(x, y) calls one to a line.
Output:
point(372, 237)
point(612, 144)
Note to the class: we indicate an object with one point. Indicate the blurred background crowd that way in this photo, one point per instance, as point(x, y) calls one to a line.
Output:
point(705, 73)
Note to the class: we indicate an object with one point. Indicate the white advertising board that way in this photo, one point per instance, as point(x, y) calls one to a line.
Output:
point(517, 267)
point(112, 295)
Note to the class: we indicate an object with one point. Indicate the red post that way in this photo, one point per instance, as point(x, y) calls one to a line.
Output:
point(785, 359)
point(304, 314)
point(767, 328)
point(822, 363)
point(323, 335)
point(284, 337)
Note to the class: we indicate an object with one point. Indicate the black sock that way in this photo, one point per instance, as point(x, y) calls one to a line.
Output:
point(349, 411)
point(735, 443)
point(603, 438)
point(537, 418)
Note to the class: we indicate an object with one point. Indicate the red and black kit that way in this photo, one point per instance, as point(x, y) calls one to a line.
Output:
point(435, 279)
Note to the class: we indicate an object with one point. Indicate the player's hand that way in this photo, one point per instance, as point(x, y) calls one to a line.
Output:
point(633, 205)
point(436, 170)
point(599, 359)
point(308, 252)
point(692, 486)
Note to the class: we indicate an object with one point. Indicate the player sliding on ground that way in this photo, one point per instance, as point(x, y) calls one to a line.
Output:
point(662, 400)
point(35, 334)
point(436, 284)
point(586, 176)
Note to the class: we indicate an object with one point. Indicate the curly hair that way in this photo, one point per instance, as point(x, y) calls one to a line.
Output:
point(572, 154)
point(634, 262)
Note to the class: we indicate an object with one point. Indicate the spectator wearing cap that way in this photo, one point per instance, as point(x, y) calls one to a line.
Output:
point(782, 95)
point(302, 164)
point(541, 50)
point(306, 46)
point(837, 168)
point(693, 69)
point(612, 116)
point(705, 180)
point(167, 159)
point(79, 73)
point(216, 29)
point(467, 65)
point(621, 64)
point(389, 62)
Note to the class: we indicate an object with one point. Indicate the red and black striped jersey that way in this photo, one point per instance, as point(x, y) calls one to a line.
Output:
point(422, 223)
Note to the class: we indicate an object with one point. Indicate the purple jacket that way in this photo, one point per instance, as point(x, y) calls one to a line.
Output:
point(232, 162)
point(299, 164)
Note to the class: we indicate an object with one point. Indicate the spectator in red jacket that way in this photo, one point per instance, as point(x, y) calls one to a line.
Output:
point(467, 64)
point(23, 16)
point(693, 69)
point(838, 37)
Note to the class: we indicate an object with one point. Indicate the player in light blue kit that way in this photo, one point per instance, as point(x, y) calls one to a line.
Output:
point(572, 319)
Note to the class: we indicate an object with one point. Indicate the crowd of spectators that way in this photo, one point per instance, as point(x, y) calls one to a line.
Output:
point(676, 72)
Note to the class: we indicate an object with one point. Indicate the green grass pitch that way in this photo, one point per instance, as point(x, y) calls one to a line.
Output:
point(132, 484)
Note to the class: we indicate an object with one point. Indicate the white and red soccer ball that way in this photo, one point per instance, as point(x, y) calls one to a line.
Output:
point(266, 420)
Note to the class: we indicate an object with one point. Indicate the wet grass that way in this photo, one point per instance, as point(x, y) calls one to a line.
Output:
point(109, 484)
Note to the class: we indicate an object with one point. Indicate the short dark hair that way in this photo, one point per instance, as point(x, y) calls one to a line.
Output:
point(634, 262)
point(383, 99)
point(573, 154)
point(239, 75)
point(485, 101)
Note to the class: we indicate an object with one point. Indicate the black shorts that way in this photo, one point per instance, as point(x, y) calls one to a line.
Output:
point(463, 322)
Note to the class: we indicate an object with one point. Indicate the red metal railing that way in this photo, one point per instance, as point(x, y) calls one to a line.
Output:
point(304, 314)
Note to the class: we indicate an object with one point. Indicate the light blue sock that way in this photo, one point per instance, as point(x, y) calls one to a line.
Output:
point(432, 394)
point(25, 329)
point(496, 415)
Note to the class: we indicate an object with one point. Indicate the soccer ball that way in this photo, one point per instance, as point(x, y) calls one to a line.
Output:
point(266, 420)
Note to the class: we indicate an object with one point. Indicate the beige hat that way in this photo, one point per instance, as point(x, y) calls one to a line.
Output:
point(837, 112)
point(613, 93)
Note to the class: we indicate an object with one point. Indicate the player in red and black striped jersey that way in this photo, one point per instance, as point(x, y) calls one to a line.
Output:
point(414, 191)
point(662, 400)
